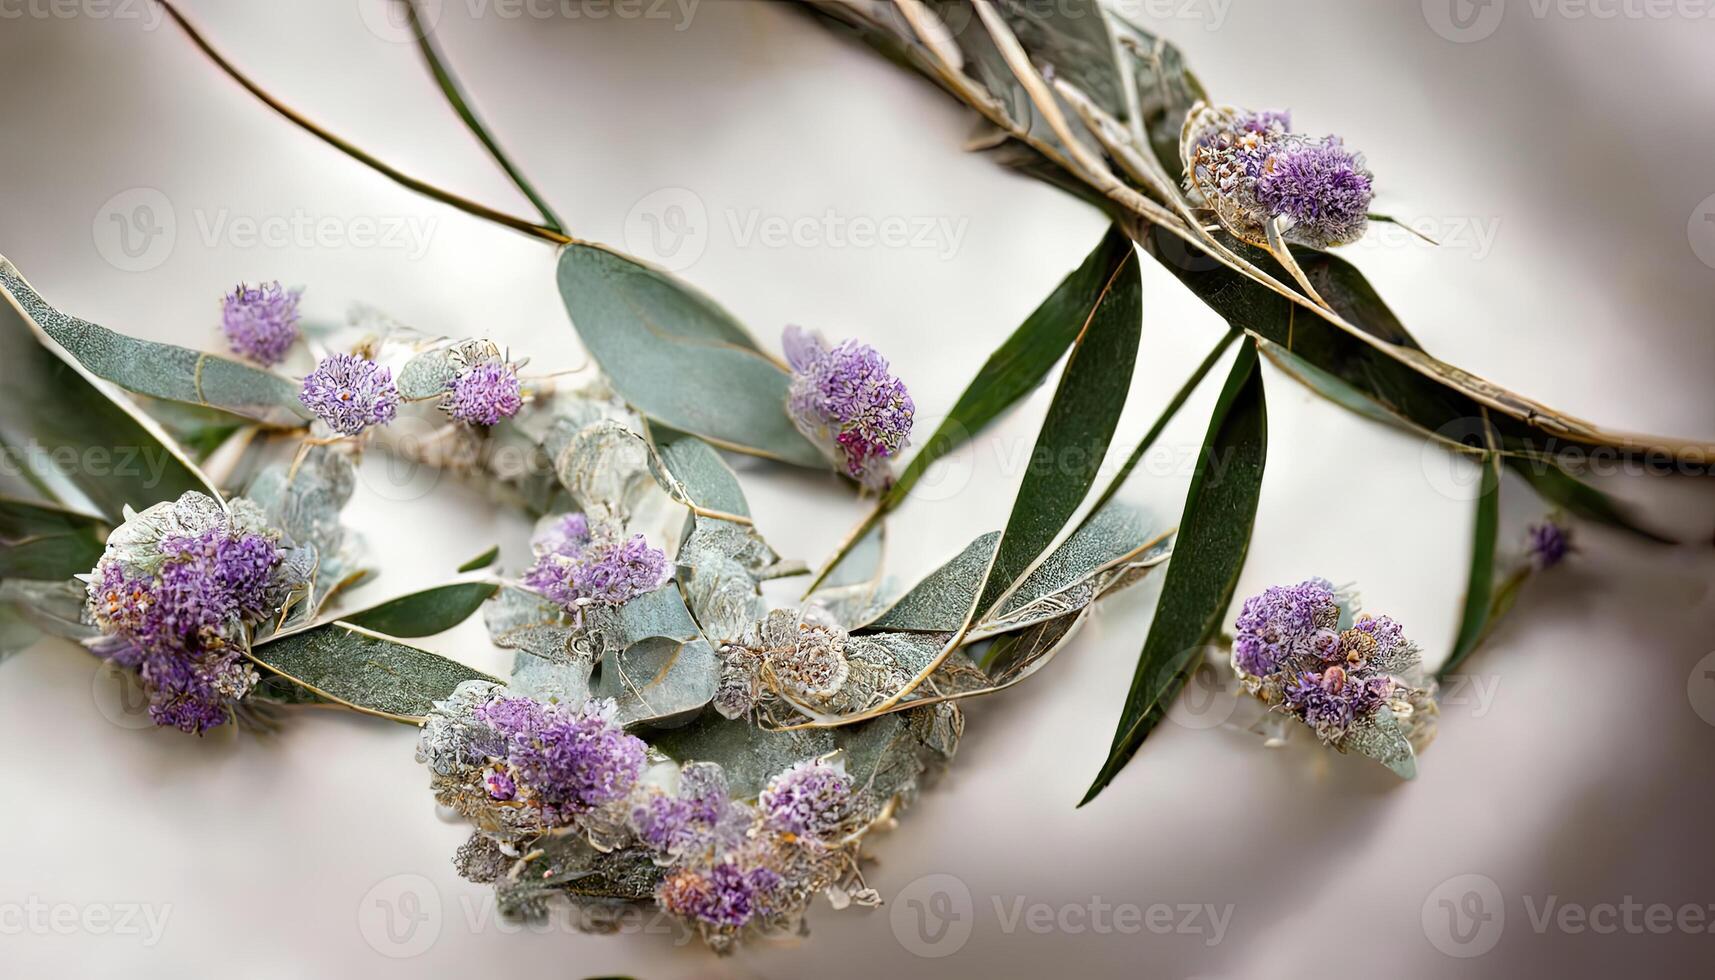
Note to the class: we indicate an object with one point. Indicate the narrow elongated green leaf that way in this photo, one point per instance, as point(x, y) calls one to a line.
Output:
point(425, 613)
point(1580, 499)
point(161, 370)
point(1075, 434)
point(66, 440)
point(364, 670)
point(678, 357)
point(481, 561)
point(1480, 586)
point(49, 543)
point(1214, 534)
point(1018, 366)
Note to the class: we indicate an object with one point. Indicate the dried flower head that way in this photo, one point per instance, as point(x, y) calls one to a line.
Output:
point(1251, 169)
point(172, 597)
point(561, 760)
point(1549, 544)
point(843, 399)
point(577, 565)
point(484, 394)
point(350, 393)
point(261, 322)
point(812, 799)
point(1283, 621)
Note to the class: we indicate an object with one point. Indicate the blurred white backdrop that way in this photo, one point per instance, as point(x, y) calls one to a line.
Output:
point(1561, 151)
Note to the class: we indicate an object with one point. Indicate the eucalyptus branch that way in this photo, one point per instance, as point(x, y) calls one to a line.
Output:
point(455, 94)
point(397, 176)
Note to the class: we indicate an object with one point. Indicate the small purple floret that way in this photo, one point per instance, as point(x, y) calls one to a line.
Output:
point(261, 322)
point(570, 761)
point(1272, 625)
point(485, 394)
point(1319, 185)
point(350, 393)
point(811, 799)
point(1549, 543)
point(845, 399)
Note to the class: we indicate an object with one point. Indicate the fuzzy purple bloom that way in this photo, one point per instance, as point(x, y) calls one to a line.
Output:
point(1549, 543)
point(811, 799)
point(729, 896)
point(573, 569)
point(844, 399)
point(570, 761)
point(484, 395)
point(1331, 701)
point(1321, 187)
point(261, 322)
point(350, 393)
point(1283, 621)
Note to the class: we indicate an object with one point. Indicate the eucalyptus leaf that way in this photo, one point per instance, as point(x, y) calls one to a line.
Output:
point(161, 370)
point(657, 680)
point(1215, 531)
point(66, 439)
point(1480, 586)
point(706, 480)
point(43, 542)
point(676, 356)
point(1075, 434)
point(364, 670)
point(424, 613)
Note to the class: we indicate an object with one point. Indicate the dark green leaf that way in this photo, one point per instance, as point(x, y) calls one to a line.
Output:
point(42, 542)
point(481, 561)
point(67, 440)
point(364, 670)
point(424, 613)
point(1018, 366)
point(1480, 586)
point(677, 357)
point(162, 370)
point(1579, 498)
point(1075, 434)
point(1214, 534)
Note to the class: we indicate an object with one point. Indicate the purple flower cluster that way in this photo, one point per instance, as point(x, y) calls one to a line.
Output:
point(844, 399)
point(350, 393)
point(261, 322)
point(1332, 700)
point(1286, 621)
point(696, 818)
point(564, 761)
point(727, 896)
point(1250, 168)
point(811, 799)
point(1549, 542)
point(575, 566)
point(179, 627)
point(484, 394)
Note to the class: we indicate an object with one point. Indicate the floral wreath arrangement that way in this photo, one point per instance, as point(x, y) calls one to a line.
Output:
point(665, 735)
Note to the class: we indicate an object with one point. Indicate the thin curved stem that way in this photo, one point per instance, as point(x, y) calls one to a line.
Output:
point(455, 94)
point(406, 180)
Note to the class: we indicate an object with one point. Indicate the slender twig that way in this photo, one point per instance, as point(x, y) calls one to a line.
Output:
point(406, 180)
point(455, 94)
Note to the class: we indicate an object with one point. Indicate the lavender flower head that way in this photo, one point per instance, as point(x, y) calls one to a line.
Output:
point(698, 818)
point(1549, 543)
point(350, 393)
point(484, 394)
point(564, 761)
point(1251, 169)
point(843, 399)
point(173, 595)
point(1290, 652)
point(261, 322)
point(726, 897)
point(813, 799)
point(578, 566)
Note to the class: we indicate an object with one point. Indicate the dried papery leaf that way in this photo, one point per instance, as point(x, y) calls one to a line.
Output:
point(43, 607)
point(161, 370)
point(303, 499)
point(657, 680)
point(363, 670)
point(599, 464)
point(51, 408)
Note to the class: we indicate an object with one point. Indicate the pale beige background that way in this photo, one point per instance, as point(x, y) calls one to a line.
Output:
point(1566, 162)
